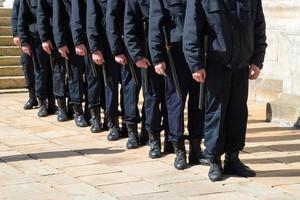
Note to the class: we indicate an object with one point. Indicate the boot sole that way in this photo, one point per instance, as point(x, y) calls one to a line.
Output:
point(215, 179)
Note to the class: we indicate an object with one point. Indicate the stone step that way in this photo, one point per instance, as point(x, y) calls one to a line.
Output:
point(5, 12)
point(5, 21)
point(9, 60)
point(9, 51)
point(11, 82)
point(13, 91)
point(6, 41)
point(5, 31)
point(11, 71)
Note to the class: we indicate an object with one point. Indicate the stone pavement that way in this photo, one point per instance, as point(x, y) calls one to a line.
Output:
point(46, 160)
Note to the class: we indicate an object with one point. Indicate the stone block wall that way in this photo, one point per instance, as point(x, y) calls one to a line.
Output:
point(279, 83)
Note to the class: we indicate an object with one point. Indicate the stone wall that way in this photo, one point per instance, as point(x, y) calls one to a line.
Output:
point(279, 83)
point(6, 3)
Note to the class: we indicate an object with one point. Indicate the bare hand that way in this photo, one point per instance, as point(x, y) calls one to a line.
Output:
point(200, 76)
point(160, 68)
point(27, 49)
point(64, 51)
point(143, 63)
point(98, 58)
point(47, 46)
point(81, 50)
point(121, 59)
point(254, 72)
point(17, 41)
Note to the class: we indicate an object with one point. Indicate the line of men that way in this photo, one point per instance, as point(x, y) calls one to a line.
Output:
point(169, 48)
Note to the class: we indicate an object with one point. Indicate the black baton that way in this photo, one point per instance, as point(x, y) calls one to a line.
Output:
point(201, 91)
point(131, 68)
point(104, 74)
point(172, 64)
point(51, 61)
point(67, 75)
point(145, 74)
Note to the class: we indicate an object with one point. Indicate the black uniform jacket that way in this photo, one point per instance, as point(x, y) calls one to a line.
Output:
point(136, 13)
point(61, 22)
point(168, 13)
point(78, 21)
point(14, 18)
point(27, 27)
point(235, 29)
point(114, 25)
point(44, 19)
point(95, 25)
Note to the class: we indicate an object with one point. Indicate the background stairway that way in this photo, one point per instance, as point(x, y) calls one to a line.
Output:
point(11, 74)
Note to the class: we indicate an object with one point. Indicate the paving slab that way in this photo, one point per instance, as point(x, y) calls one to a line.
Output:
point(42, 159)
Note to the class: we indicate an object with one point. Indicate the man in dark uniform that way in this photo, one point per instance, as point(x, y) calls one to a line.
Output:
point(26, 61)
point(31, 45)
point(114, 29)
point(93, 81)
point(169, 15)
point(135, 21)
point(236, 50)
point(99, 48)
point(45, 29)
point(64, 43)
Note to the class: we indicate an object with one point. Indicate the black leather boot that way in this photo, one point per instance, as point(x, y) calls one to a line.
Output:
point(155, 145)
point(70, 110)
point(215, 170)
point(62, 115)
point(42, 108)
point(78, 116)
point(124, 131)
point(114, 133)
point(132, 142)
point(95, 120)
point(87, 114)
point(180, 160)
point(196, 156)
point(168, 147)
point(32, 102)
point(143, 136)
point(105, 125)
point(234, 166)
point(51, 108)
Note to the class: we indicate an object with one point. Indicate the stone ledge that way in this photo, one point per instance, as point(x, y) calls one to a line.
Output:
point(281, 8)
point(285, 110)
point(265, 90)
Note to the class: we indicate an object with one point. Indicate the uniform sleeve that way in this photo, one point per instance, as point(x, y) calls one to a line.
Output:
point(93, 24)
point(193, 35)
point(114, 17)
point(59, 24)
point(23, 26)
point(14, 18)
point(260, 38)
point(77, 24)
point(132, 30)
point(156, 40)
point(43, 20)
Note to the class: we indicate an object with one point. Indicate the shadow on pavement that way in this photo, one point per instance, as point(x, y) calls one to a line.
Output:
point(59, 154)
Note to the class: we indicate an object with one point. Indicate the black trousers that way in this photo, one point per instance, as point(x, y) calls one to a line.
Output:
point(28, 70)
point(130, 95)
point(226, 110)
point(154, 102)
point(176, 105)
point(42, 71)
point(58, 75)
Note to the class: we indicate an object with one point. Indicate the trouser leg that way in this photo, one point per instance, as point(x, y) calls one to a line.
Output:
point(237, 112)
point(217, 90)
point(130, 96)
